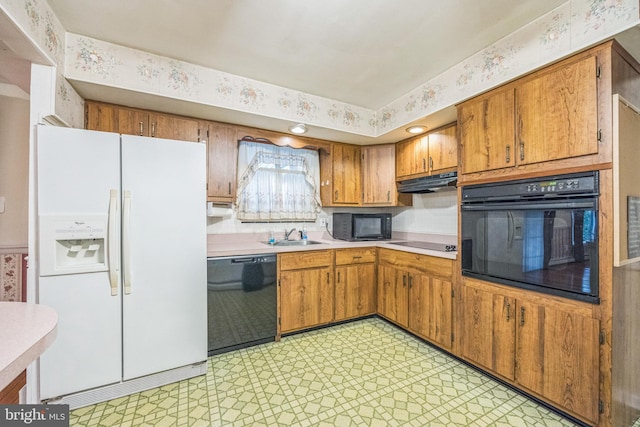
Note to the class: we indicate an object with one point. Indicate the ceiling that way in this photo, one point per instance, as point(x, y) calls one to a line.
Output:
point(361, 52)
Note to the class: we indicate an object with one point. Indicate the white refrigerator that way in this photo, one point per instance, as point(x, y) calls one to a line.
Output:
point(122, 259)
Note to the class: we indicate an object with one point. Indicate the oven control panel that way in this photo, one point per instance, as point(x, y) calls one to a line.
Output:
point(579, 184)
point(553, 186)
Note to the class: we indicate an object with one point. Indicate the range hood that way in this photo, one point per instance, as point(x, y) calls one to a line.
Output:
point(429, 184)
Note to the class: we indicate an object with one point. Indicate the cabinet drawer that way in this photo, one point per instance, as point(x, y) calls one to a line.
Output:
point(304, 259)
point(442, 267)
point(355, 256)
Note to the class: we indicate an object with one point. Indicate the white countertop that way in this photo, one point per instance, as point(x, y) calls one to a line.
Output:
point(219, 245)
point(26, 331)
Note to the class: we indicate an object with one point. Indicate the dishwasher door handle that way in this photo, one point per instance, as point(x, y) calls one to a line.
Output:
point(243, 260)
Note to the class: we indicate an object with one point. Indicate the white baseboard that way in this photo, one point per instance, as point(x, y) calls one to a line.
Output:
point(124, 388)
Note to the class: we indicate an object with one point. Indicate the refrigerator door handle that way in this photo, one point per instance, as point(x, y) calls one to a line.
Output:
point(112, 242)
point(126, 243)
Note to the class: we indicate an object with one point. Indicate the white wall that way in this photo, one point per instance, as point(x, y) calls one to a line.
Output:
point(433, 213)
point(14, 171)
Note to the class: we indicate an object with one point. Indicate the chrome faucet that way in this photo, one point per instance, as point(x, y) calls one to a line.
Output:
point(288, 233)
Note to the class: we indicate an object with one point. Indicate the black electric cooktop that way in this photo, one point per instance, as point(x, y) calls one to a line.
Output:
point(442, 247)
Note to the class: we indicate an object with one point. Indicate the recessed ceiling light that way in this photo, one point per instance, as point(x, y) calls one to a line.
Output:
point(416, 129)
point(299, 128)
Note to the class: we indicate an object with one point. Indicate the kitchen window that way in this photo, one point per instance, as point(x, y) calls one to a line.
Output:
point(277, 183)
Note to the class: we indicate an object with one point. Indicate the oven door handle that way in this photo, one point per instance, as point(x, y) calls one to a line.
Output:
point(510, 229)
point(592, 204)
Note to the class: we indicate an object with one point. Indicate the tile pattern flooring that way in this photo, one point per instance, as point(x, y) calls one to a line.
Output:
point(361, 373)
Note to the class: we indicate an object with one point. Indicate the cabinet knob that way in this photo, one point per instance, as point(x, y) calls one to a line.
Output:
point(521, 316)
point(521, 150)
point(141, 128)
point(508, 312)
point(508, 157)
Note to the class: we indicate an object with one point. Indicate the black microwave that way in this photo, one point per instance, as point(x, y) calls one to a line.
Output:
point(361, 226)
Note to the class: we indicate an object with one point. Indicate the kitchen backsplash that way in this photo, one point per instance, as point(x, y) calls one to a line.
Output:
point(434, 213)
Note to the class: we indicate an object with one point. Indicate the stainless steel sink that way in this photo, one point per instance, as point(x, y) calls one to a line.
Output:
point(293, 243)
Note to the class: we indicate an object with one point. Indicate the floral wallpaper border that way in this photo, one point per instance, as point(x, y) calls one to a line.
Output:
point(11, 277)
point(570, 27)
point(36, 19)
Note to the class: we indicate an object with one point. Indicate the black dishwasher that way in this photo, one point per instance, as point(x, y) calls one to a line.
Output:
point(241, 300)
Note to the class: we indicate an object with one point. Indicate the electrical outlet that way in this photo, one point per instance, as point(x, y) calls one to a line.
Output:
point(323, 221)
point(1, 205)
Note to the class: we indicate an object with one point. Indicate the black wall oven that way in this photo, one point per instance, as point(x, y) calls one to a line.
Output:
point(538, 234)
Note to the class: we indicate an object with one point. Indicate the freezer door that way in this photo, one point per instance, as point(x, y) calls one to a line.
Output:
point(76, 173)
point(164, 254)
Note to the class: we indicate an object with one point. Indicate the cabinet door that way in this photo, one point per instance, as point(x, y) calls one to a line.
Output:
point(487, 131)
point(379, 175)
point(102, 117)
point(558, 357)
point(412, 157)
point(393, 300)
point(489, 330)
point(222, 160)
point(557, 114)
point(306, 298)
point(443, 150)
point(133, 122)
point(419, 305)
point(174, 127)
point(346, 174)
point(440, 313)
point(355, 291)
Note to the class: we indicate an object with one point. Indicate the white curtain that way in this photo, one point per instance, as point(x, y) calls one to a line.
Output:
point(277, 183)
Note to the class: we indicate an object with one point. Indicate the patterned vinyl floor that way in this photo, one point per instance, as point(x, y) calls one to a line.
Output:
point(364, 373)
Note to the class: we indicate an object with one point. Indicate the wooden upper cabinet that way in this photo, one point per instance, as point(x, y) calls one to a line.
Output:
point(487, 131)
point(222, 160)
point(547, 116)
point(379, 177)
point(412, 157)
point(433, 153)
point(133, 121)
point(346, 174)
point(101, 117)
point(340, 176)
point(443, 150)
point(174, 127)
point(556, 114)
point(115, 118)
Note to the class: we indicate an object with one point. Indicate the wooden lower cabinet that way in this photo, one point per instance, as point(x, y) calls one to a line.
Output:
point(557, 356)
point(10, 395)
point(488, 333)
point(415, 291)
point(306, 289)
point(430, 308)
point(393, 294)
point(548, 351)
point(355, 283)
